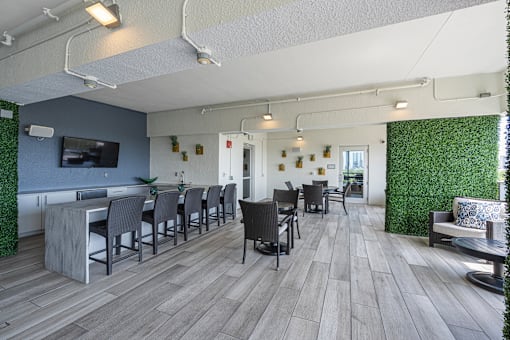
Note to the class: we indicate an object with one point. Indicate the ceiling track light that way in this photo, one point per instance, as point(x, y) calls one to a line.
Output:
point(268, 115)
point(401, 104)
point(108, 16)
point(204, 55)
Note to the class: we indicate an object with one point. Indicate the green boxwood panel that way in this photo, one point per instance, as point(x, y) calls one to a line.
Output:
point(431, 161)
point(9, 181)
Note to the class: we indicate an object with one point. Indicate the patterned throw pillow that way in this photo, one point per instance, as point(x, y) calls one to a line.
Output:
point(475, 214)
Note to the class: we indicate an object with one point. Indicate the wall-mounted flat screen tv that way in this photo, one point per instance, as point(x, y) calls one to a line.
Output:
point(89, 153)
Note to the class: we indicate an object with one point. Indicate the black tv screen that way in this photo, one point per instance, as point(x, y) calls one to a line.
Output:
point(89, 153)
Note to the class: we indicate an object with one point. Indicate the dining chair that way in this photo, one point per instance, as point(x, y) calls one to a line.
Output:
point(165, 209)
point(212, 202)
point(124, 216)
point(229, 200)
point(260, 220)
point(289, 185)
point(325, 193)
point(313, 196)
point(323, 183)
point(339, 196)
point(192, 205)
point(292, 197)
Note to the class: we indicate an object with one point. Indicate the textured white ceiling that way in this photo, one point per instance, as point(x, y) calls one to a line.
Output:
point(306, 46)
point(17, 12)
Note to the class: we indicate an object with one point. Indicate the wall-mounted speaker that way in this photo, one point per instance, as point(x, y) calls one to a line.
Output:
point(39, 131)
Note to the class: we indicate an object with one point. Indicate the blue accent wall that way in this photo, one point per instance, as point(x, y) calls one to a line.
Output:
point(39, 161)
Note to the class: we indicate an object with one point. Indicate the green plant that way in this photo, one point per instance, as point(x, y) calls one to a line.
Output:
point(327, 148)
point(184, 153)
point(506, 282)
point(174, 140)
point(148, 180)
point(9, 181)
point(300, 158)
point(429, 162)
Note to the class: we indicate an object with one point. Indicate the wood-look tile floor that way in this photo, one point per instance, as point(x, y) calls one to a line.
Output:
point(345, 279)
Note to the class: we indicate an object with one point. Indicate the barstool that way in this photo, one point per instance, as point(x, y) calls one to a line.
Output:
point(212, 201)
point(124, 215)
point(165, 209)
point(192, 205)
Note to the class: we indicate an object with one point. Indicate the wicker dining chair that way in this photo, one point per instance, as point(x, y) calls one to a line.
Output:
point(289, 196)
point(212, 201)
point(192, 205)
point(339, 196)
point(260, 221)
point(165, 209)
point(289, 185)
point(313, 196)
point(228, 200)
point(124, 216)
point(323, 183)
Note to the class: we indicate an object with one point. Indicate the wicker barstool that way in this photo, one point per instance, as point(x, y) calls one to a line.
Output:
point(165, 209)
point(124, 216)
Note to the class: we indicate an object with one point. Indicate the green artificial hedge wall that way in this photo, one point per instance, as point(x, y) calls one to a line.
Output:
point(8, 181)
point(429, 162)
point(506, 282)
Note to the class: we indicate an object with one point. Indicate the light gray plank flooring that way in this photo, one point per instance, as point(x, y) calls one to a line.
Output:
point(345, 279)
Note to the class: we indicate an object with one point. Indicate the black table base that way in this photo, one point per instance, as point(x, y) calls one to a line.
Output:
point(487, 281)
point(272, 248)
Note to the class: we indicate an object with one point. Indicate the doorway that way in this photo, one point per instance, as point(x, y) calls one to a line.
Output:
point(248, 157)
point(354, 170)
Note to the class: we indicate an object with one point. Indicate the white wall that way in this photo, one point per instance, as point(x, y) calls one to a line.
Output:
point(454, 97)
point(199, 169)
point(344, 120)
point(314, 142)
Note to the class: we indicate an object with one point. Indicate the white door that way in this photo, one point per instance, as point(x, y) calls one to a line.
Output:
point(248, 185)
point(354, 170)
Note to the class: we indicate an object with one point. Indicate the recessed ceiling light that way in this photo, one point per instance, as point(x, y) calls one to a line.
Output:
point(299, 138)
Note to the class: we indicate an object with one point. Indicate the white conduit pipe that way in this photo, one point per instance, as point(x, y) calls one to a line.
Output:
point(423, 82)
point(81, 75)
point(436, 98)
point(339, 110)
point(184, 36)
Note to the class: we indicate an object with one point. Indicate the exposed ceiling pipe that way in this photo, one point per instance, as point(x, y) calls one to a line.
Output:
point(482, 95)
point(47, 14)
point(300, 129)
point(423, 82)
point(203, 53)
point(89, 80)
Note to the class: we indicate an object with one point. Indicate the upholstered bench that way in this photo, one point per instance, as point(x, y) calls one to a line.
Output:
point(470, 217)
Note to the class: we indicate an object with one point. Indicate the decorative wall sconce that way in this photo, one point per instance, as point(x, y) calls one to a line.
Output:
point(184, 156)
point(281, 167)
